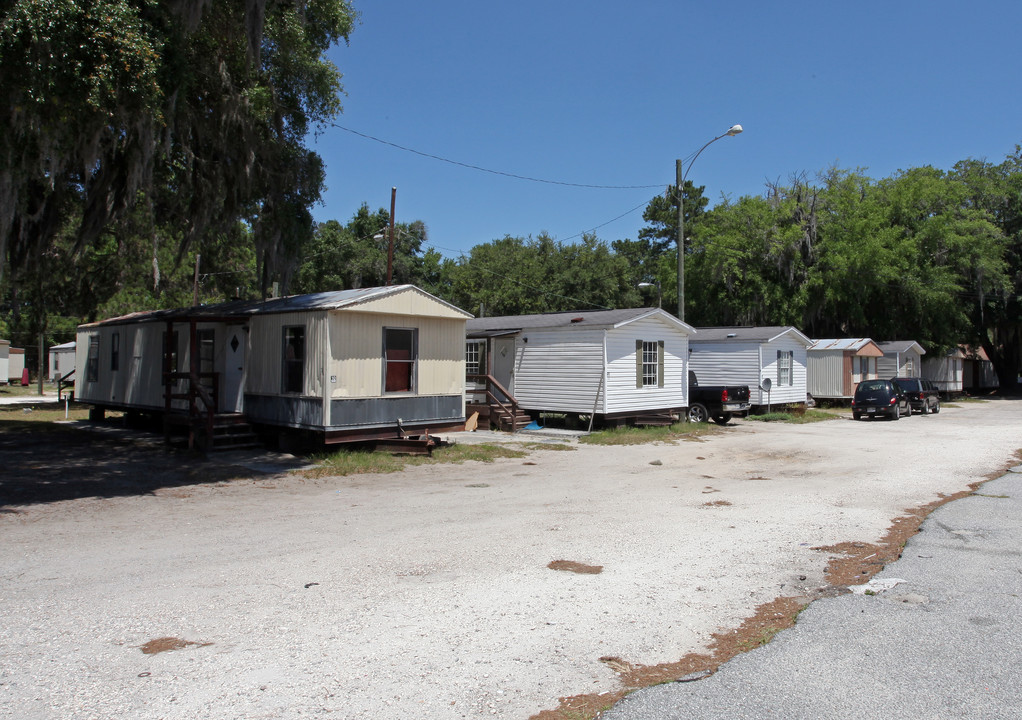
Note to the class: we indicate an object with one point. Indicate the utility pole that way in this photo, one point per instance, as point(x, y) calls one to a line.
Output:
point(390, 248)
point(195, 283)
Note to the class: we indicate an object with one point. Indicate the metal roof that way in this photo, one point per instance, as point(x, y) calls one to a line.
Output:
point(900, 346)
point(509, 324)
point(740, 334)
point(841, 344)
point(334, 300)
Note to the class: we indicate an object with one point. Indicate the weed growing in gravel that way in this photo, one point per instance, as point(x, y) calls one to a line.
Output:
point(361, 462)
point(648, 435)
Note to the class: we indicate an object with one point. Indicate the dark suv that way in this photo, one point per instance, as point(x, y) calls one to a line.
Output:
point(922, 394)
point(880, 397)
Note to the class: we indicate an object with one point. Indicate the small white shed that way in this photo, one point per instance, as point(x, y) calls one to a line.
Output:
point(902, 358)
point(608, 363)
point(751, 355)
point(62, 360)
point(835, 366)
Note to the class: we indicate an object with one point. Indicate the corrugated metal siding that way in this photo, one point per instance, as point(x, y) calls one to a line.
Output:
point(266, 352)
point(356, 353)
point(358, 413)
point(622, 394)
point(138, 381)
point(825, 373)
point(946, 372)
point(561, 371)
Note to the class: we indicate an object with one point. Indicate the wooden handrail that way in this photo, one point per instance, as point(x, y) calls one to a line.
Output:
point(491, 385)
point(63, 382)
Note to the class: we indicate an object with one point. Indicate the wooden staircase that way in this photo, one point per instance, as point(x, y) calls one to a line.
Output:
point(227, 431)
point(497, 408)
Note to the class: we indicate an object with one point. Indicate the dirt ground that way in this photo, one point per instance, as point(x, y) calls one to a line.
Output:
point(139, 582)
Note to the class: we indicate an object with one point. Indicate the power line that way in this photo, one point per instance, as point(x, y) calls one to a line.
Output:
point(488, 170)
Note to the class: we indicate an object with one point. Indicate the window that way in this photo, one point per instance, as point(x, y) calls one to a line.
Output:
point(909, 368)
point(115, 351)
point(785, 360)
point(399, 351)
point(294, 360)
point(207, 354)
point(649, 364)
point(474, 357)
point(170, 354)
point(864, 367)
point(92, 360)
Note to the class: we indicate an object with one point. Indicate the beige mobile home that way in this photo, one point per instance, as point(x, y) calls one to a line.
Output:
point(613, 364)
point(348, 365)
point(750, 356)
point(836, 366)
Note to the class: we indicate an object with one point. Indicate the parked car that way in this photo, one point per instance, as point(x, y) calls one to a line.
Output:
point(923, 394)
point(880, 397)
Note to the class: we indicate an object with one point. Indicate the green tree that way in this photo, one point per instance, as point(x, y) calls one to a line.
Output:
point(199, 110)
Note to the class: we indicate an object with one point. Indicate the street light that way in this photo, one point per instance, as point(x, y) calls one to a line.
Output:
point(680, 179)
point(656, 284)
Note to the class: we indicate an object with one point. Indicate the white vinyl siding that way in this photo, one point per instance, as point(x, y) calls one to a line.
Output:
point(903, 364)
point(737, 362)
point(622, 394)
point(594, 370)
point(562, 371)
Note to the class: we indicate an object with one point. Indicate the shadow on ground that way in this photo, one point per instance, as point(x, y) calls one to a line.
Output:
point(66, 463)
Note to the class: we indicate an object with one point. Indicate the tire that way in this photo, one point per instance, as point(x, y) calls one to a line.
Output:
point(722, 419)
point(908, 409)
point(896, 415)
point(856, 416)
point(925, 409)
point(698, 413)
point(936, 407)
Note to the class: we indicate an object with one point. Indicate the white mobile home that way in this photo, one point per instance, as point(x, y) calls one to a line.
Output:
point(750, 356)
point(5, 361)
point(347, 365)
point(610, 363)
point(62, 360)
point(947, 371)
point(836, 366)
point(978, 374)
point(902, 358)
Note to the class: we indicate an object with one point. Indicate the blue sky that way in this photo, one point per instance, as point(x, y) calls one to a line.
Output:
point(610, 94)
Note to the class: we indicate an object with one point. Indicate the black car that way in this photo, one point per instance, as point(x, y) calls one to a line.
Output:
point(923, 394)
point(880, 397)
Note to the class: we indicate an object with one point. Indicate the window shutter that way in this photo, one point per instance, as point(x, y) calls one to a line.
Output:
point(638, 364)
point(660, 364)
point(778, 381)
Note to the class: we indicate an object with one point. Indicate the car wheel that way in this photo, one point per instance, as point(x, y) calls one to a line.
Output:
point(856, 416)
point(908, 409)
point(722, 419)
point(936, 407)
point(698, 413)
point(896, 415)
point(925, 409)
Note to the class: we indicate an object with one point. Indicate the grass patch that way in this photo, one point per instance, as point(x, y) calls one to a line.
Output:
point(40, 417)
point(809, 416)
point(25, 390)
point(363, 462)
point(649, 435)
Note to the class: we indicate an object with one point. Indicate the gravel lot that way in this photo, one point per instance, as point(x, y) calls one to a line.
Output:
point(428, 593)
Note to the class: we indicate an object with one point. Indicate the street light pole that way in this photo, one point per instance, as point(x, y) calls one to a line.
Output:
point(680, 181)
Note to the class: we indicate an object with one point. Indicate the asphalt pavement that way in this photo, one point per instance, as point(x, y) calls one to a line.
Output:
point(935, 635)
